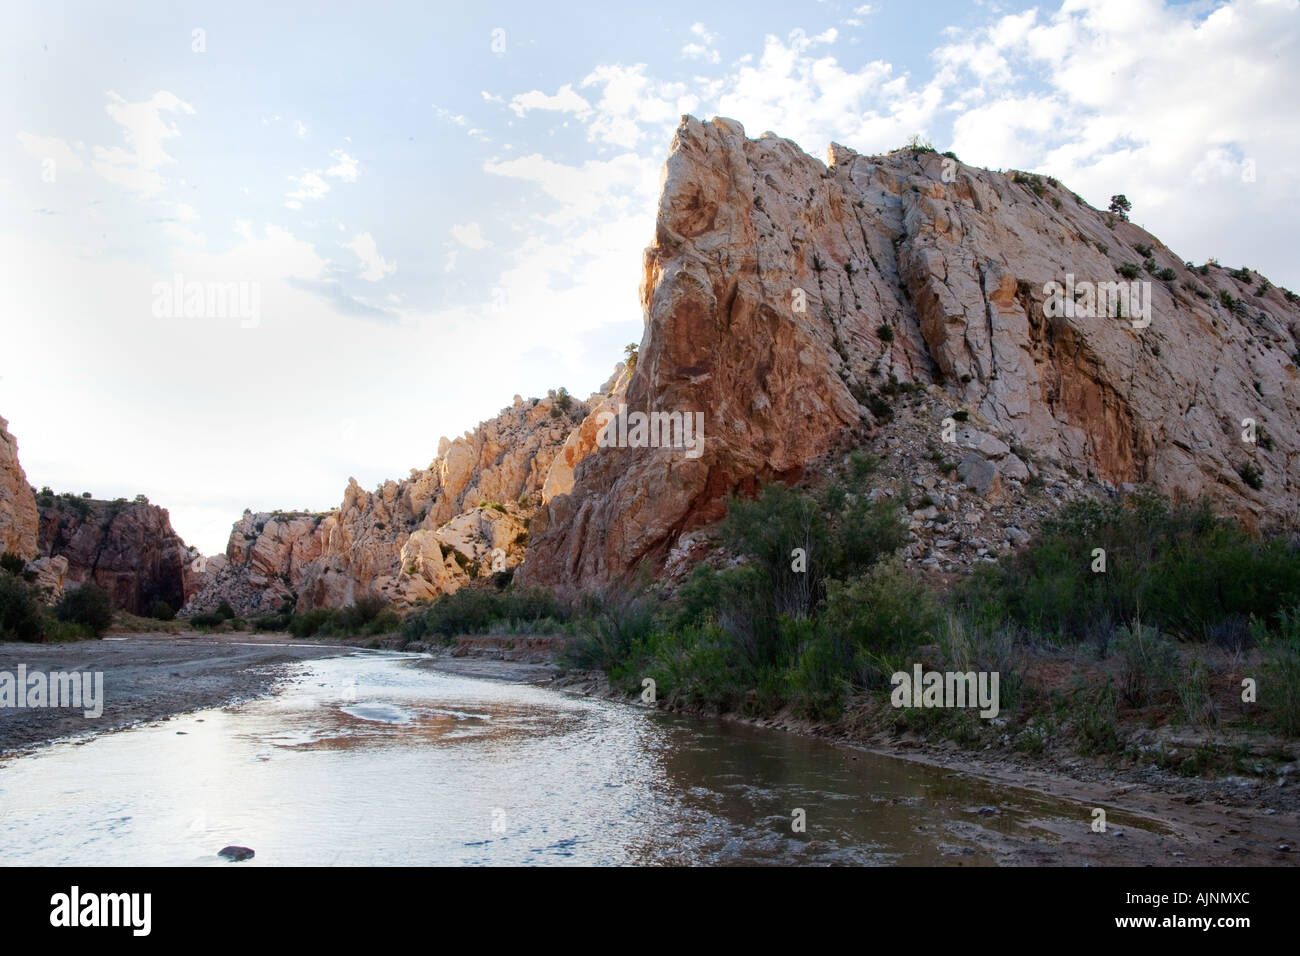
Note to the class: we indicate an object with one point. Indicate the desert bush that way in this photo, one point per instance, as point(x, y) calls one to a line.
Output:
point(20, 610)
point(1279, 689)
point(88, 604)
point(473, 610)
point(162, 611)
point(1181, 568)
point(11, 563)
point(1149, 667)
point(613, 636)
point(879, 615)
point(311, 622)
point(1194, 694)
point(841, 532)
point(1097, 713)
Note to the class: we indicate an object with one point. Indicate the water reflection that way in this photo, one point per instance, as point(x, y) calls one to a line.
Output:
point(369, 760)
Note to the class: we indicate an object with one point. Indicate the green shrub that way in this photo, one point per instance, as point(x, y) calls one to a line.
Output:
point(1194, 694)
point(1129, 270)
point(880, 409)
point(311, 622)
point(1148, 665)
point(818, 684)
point(88, 604)
point(1180, 567)
point(207, 621)
point(1095, 725)
point(1251, 475)
point(162, 611)
point(875, 620)
point(612, 637)
point(841, 532)
point(473, 610)
point(1279, 688)
point(20, 610)
point(11, 563)
point(225, 611)
point(884, 332)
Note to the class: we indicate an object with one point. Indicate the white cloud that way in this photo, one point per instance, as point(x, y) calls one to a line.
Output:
point(344, 168)
point(300, 129)
point(704, 49)
point(376, 267)
point(469, 235)
point(630, 99)
point(597, 188)
point(565, 100)
point(310, 186)
point(145, 131)
point(1168, 123)
point(52, 147)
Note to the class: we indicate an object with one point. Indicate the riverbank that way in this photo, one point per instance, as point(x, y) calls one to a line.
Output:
point(1154, 817)
point(150, 677)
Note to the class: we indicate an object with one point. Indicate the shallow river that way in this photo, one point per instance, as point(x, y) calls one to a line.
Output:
point(369, 760)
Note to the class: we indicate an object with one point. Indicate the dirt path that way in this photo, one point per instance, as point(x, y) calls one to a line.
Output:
point(150, 676)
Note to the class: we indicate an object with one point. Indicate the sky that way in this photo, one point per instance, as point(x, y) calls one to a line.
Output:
point(425, 209)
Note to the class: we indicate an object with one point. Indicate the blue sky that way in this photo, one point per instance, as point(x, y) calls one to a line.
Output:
point(444, 205)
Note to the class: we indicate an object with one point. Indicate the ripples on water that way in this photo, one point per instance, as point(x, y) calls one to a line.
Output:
point(367, 760)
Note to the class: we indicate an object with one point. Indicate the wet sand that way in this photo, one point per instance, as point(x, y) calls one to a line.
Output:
point(149, 677)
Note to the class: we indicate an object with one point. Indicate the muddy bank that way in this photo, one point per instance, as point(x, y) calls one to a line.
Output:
point(1154, 817)
point(149, 677)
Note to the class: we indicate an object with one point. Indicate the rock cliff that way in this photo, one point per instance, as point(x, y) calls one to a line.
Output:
point(127, 548)
point(18, 518)
point(792, 303)
point(462, 518)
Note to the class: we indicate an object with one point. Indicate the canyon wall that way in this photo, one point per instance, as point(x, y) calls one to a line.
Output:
point(789, 300)
point(127, 548)
point(18, 518)
point(463, 518)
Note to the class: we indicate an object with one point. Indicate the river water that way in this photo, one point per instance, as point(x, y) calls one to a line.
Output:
point(369, 760)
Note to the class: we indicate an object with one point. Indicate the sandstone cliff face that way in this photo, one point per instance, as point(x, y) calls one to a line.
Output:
point(462, 518)
point(786, 300)
point(127, 548)
point(18, 518)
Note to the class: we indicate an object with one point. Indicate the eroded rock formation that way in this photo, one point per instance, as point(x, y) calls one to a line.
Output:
point(788, 301)
point(127, 548)
point(462, 518)
point(18, 518)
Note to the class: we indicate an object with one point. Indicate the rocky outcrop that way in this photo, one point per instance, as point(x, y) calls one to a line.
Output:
point(18, 518)
point(127, 548)
point(462, 518)
point(50, 575)
point(792, 302)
